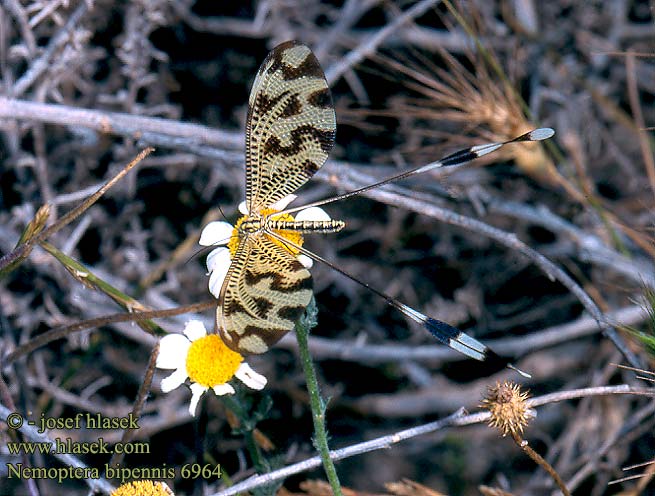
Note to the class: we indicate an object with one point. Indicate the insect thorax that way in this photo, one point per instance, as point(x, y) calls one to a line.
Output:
point(251, 224)
point(277, 226)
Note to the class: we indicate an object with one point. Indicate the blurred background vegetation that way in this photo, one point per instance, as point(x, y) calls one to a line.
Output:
point(87, 84)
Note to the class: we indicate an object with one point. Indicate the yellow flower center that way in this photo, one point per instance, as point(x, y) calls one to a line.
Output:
point(143, 488)
point(210, 363)
point(293, 236)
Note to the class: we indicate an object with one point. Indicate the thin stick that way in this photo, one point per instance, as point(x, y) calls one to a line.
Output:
point(77, 211)
point(17, 10)
point(137, 409)
point(122, 124)
point(539, 460)
point(23, 249)
point(370, 45)
point(635, 105)
point(587, 246)
point(61, 332)
point(384, 442)
point(43, 63)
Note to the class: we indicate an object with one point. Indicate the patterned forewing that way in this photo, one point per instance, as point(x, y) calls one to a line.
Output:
point(264, 293)
point(290, 127)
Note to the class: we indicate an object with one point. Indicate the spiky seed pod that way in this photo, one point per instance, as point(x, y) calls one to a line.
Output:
point(507, 405)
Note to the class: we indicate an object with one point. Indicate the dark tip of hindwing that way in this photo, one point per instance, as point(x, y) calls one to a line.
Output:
point(465, 344)
point(455, 339)
point(496, 361)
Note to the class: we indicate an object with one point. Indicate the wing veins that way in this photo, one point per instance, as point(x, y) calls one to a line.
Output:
point(290, 126)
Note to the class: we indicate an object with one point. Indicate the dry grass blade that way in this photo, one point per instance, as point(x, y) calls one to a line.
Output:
point(407, 487)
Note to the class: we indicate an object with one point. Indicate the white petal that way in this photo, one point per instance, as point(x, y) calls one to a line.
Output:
point(172, 351)
point(173, 381)
point(223, 389)
point(216, 233)
point(242, 208)
point(305, 261)
point(313, 213)
point(197, 391)
point(282, 204)
point(219, 256)
point(249, 377)
point(194, 329)
point(216, 279)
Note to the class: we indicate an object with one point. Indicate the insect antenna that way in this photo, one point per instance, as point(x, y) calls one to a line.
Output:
point(206, 249)
point(222, 213)
point(457, 158)
point(443, 332)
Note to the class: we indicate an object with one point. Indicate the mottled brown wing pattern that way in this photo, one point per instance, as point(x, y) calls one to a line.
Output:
point(290, 127)
point(264, 293)
point(289, 132)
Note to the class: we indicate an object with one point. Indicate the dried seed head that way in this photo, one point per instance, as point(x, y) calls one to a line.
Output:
point(507, 405)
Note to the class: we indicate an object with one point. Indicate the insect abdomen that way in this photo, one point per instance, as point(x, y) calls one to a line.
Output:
point(314, 226)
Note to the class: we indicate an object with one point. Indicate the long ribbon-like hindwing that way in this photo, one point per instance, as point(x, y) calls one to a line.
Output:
point(290, 131)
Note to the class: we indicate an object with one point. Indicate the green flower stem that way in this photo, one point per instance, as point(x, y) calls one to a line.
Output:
point(260, 463)
point(261, 466)
point(90, 280)
point(315, 400)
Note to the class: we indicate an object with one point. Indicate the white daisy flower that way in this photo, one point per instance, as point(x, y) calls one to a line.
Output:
point(206, 361)
point(224, 235)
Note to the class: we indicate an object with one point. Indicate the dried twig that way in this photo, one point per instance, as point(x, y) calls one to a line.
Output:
point(370, 45)
point(456, 419)
point(43, 63)
point(635, 105)
point(133, 126)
